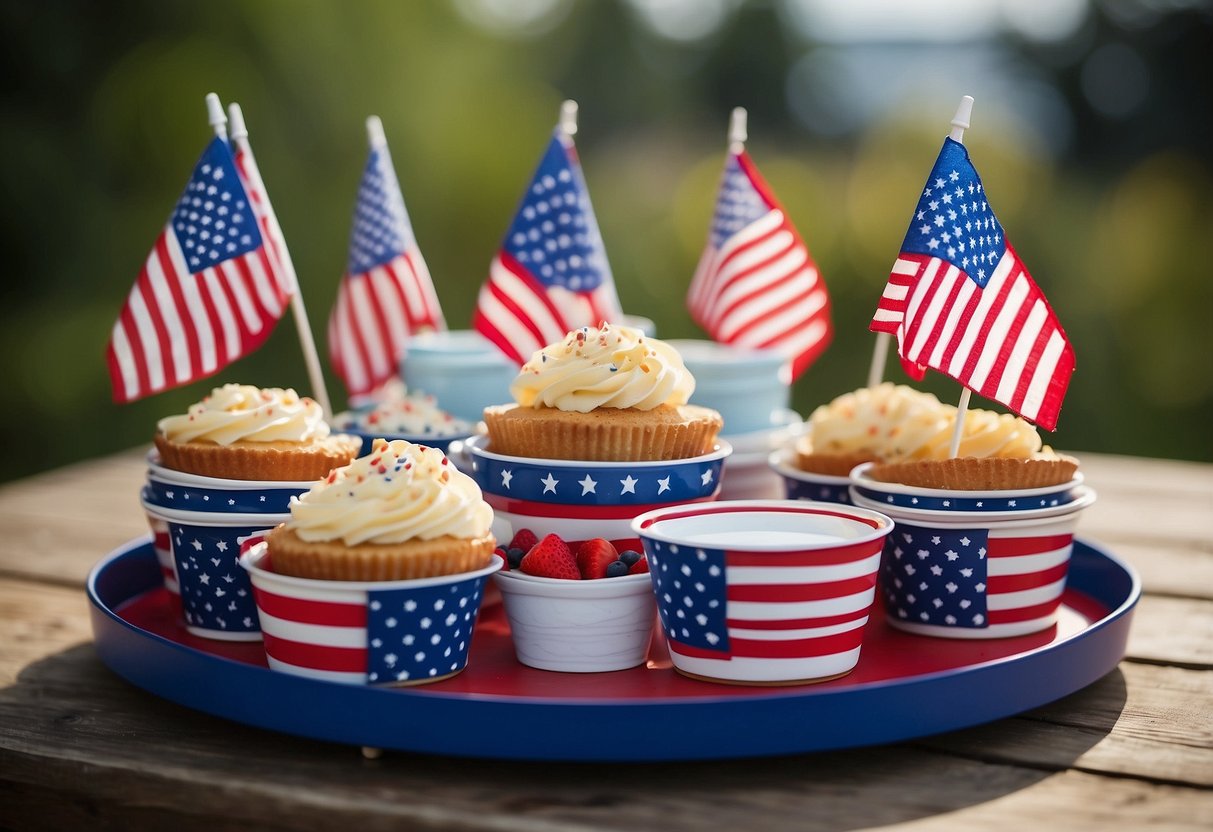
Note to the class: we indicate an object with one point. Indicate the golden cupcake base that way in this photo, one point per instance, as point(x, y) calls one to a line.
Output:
point(269, 461)
point(334, 561)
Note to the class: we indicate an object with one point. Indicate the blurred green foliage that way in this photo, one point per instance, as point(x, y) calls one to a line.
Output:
point(103, 117)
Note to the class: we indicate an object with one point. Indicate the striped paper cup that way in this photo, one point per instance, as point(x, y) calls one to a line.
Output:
point(366, 632)
point(579, 500)
point(205, 520)
point(806, 485)
point(764, 591)
point(975, 567)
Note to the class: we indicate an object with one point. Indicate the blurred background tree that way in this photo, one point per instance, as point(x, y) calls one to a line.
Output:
point(1092, 131)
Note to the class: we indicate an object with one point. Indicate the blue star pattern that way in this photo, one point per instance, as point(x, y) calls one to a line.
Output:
point(826, 492)
point(935, 575)
point(737, 205)
point(691, 595)
point(213, 221)
point(215, 589)
point(381, 228)
point(421, 633)
point(614, 484)
point(1048, 499)
point(236, 501)
point(554, 234)
point(953, 220)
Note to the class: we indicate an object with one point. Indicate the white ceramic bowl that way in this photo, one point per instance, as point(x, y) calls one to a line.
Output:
point(764, 591)
point(366, 632)
point(578, 626)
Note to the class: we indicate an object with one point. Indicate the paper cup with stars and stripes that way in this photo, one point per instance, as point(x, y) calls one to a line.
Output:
point(764, 591)
point(799, 484)
point(974, 564)
point(204, 521)
point(580, 500)
point(366, 632)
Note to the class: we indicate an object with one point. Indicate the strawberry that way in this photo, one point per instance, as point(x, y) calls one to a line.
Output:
point(593, 557)
point(524, 539)
point(550, 558)
point(640, 567)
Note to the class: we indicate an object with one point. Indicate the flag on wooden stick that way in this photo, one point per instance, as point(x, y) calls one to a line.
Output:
point(756, 285)
point(210, 291)
point(550, 274)
point(961, 302)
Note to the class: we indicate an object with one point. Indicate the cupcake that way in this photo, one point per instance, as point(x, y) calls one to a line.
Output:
point(241, 432)
point(401, 512)
point(871, 424)
point(605, 393)
point(997, 452)
point(907, 435)
point(402, 414)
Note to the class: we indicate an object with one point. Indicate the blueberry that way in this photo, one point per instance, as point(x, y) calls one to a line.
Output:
point(629, 557)
point(616, 568)
point(514, 555)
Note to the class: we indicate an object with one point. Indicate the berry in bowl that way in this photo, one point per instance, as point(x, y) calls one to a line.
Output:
point(581, 609)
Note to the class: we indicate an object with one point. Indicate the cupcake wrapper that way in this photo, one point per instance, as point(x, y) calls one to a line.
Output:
point(605, 437)
point(977, 474)
point(275, 462)
point(334, 561)
point(830, 465)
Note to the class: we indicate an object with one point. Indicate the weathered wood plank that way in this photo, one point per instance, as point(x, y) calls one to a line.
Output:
point(1179, 570)
point(1140, 721)
point(85, 733)
point(1173, 631)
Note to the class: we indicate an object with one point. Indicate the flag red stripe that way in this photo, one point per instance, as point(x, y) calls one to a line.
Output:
point(250, 285)
point(218, 342)
point(999, 584)
point(156, 314)
point(1004, 547)
point(1024, 613)
point(722, 288)
point(962, 325)
point(921, 355)
point(537, 288)
point(836, 555)
point(987, 324)
point(1029, 367)
point(994, 377)
point(791, 593)
point(173, 280)
point(798, 623)
point(316, 657)
point(777, 649)
point(307, 611)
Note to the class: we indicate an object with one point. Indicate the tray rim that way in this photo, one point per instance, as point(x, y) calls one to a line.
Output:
point(113, 635)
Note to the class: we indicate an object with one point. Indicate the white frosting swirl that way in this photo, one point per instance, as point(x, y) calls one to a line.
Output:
point(895, 423)
point(396, 493)
point(241, 412)
point(608, 366)
point(413, 414)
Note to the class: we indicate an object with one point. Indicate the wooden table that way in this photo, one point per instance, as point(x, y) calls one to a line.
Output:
point(80, 748)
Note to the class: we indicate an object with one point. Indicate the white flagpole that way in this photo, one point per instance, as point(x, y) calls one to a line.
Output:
point(306, 342)
point(959, 122)
point(738, 129)
point(567, 124)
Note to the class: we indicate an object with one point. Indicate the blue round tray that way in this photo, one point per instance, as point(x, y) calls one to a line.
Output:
point(904, 687)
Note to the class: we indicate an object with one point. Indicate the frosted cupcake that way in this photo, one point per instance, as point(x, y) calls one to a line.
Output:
point(241, 432)
point(401, 512)
point(871, 424)
point(907, 435)
point(413, 416)
point(605, 393)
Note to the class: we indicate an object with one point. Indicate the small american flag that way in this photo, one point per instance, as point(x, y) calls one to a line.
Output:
point(387, 292)
point(551, 274)
point(210, 291)
point(973, 578)
point(960, 301)
point(387, 636)
point(756, 285)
